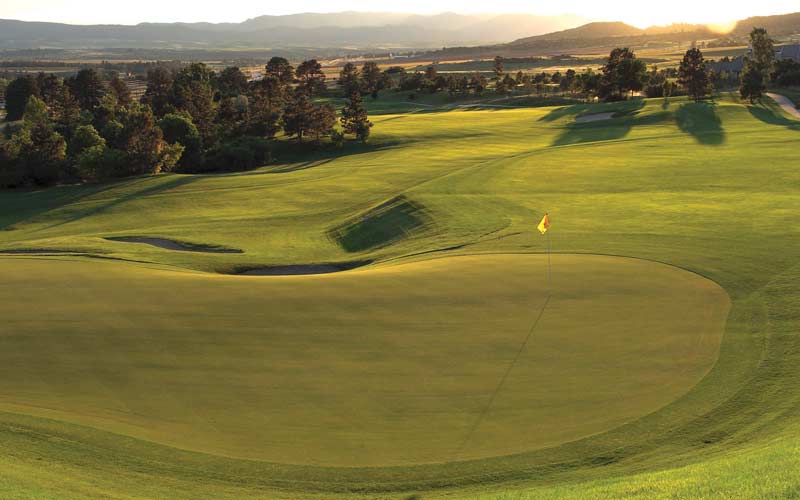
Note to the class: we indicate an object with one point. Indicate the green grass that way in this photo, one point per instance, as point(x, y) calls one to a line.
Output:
point(142, 375)
point(397, 102)
point(204, 367)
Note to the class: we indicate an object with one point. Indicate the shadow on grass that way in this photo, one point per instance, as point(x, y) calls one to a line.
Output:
point(18, 206)
point(620, 108)
point(700, 120)
point(772, 115)
point(380, 226)
point(167, 184)
point(607, 130)
point(293, 158)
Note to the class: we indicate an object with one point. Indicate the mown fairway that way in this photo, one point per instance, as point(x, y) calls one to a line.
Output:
point(162, 378)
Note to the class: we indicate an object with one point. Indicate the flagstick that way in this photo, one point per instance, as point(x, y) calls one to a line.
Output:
point(549, 266)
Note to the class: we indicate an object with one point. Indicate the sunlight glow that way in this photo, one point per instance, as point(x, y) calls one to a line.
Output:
point(631, 11)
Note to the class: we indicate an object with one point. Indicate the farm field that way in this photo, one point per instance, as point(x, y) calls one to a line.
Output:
point(441, 362)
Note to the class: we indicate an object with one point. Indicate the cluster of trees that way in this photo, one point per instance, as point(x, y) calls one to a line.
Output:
point(370, 79)
point(785, 73)
point(189, 120)
point(757, 67)
point(761, 68)
point(622, 75)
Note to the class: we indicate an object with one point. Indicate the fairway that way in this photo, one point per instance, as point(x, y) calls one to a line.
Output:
point(137, 362)
point(386, 366)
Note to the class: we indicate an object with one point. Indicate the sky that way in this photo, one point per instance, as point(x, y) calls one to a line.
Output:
point(637, 12)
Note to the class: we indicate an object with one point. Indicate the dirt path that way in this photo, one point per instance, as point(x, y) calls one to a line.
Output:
point(785, 103)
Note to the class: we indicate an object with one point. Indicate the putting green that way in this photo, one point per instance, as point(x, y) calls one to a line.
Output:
point(387, 365)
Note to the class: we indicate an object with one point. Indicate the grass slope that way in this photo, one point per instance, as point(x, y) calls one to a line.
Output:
point(711, 188)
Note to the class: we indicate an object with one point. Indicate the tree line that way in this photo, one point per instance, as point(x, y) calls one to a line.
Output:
point(622, 75)
point(192, 119)
point(87, 127)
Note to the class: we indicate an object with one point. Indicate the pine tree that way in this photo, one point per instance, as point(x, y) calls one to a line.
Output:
point(349, 79)
point(280, 68)
point(311, 76)
point(498, 67)
point(17, 95)
point(323, 119)
point(371, 78)
point(622, 74)
point(88, 89)
point(693, 76)
point(298, 116)
point(757, 68)
point(157, 95)
point(120, 90)
point(354, 118)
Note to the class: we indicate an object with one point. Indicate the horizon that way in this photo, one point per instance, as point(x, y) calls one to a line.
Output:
point(89, 13)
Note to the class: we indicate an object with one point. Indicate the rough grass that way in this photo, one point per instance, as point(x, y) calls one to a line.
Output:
point(711, 190)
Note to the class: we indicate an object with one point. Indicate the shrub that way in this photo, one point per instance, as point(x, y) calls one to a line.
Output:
point(242, 153)
point(99, 162)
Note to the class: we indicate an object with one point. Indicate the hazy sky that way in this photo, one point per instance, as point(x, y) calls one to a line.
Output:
point(637, 12)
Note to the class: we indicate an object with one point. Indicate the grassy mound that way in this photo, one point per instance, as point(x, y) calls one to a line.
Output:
point(387, 223)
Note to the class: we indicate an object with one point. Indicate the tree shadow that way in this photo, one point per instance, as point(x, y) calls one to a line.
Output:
point(174, 181)
point(700, 120)
point(619, 108)
point(18, 206)
point(607, 130)
point(771, 115)
point(295, 160)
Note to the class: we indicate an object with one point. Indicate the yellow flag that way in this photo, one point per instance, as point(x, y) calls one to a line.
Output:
point(544, 225)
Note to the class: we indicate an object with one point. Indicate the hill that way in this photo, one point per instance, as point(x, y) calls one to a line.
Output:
point(779, 26)
point(343, 30)
point(599, 37)
point(587, 31)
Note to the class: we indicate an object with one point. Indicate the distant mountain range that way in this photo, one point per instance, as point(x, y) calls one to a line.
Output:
point(326, 35)
point(779, 25)
point(364, 30)
point(596, 36)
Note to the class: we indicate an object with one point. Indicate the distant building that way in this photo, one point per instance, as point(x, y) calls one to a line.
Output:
point(788, 52)
point(733, 66)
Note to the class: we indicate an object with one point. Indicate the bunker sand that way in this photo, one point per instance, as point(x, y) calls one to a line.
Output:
point(596, 117)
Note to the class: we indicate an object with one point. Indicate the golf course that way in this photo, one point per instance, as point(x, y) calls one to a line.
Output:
point(386, 321)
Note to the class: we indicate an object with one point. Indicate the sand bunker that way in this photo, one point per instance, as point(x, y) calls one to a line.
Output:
point(166, 244)
point(597, 117)
point(302, 269)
